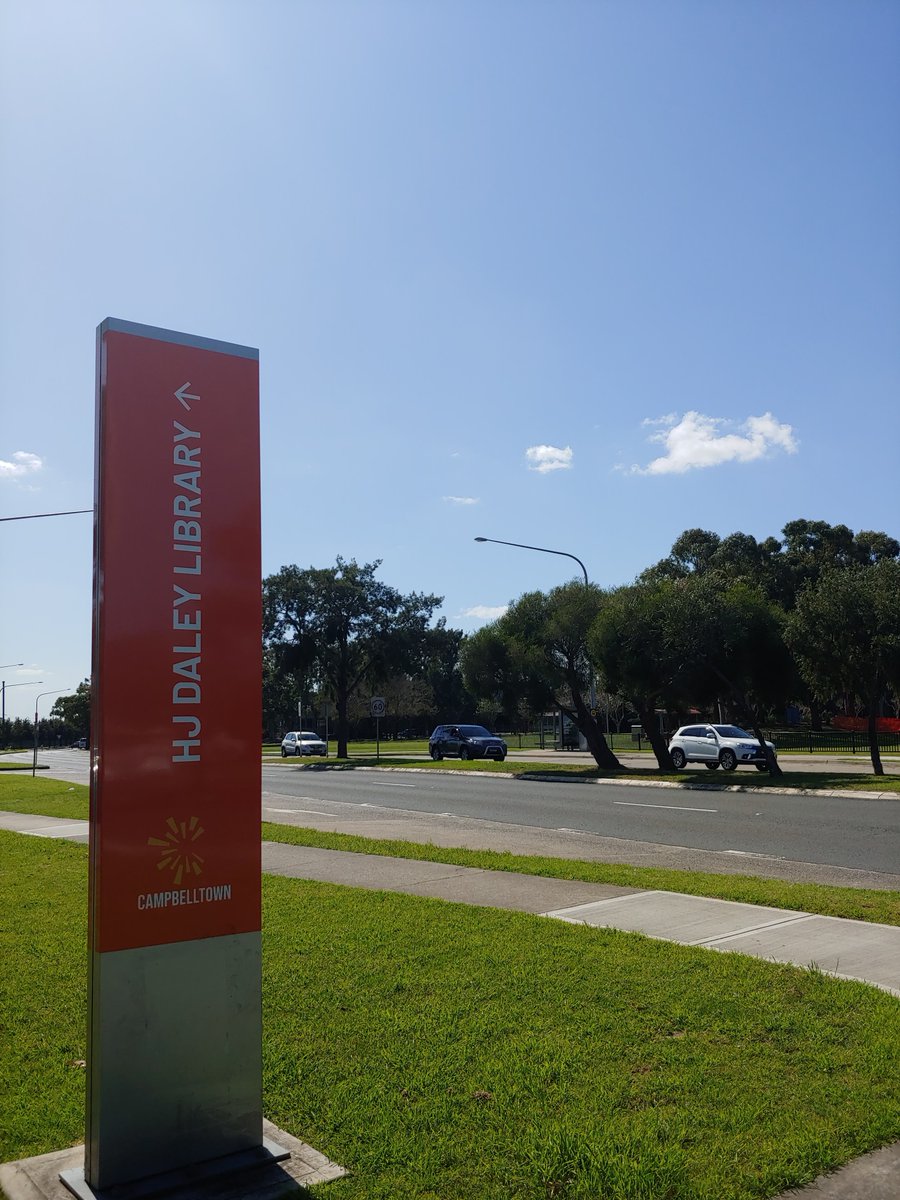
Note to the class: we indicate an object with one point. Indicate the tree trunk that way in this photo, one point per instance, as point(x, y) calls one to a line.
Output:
point(341, 705)
point(874, 749)
point(771, 760)
point(657, 742)
point(749, 711)
point(597, 743)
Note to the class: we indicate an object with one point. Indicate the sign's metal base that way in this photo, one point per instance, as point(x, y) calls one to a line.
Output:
point(174, 1183)
point(59, 1175)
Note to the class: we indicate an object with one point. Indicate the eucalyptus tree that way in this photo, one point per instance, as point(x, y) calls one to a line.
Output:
point(630, 644)
point(342, 627)
point(537, 653)
point(74, 709)
point(730, 641)
point(845, 632)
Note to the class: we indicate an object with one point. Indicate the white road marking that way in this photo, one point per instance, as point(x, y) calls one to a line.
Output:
point(753, 854)
point(676, 807)
point(313, 811)
point(409, 785)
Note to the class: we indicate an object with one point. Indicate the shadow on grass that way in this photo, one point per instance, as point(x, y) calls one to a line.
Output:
point(579, 773)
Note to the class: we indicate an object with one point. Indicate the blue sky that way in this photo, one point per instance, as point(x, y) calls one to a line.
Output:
point(580, 275)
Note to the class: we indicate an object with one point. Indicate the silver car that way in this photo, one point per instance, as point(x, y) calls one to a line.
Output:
point(302, 742)
point(725, 746)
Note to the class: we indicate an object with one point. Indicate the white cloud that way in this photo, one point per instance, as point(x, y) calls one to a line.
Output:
point(22, 464)
point(485, 612)
point(549, 458)
point(699, 441)
point(460, 499)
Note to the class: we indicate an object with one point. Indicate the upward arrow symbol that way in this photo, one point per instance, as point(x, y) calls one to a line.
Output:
point(183, 395)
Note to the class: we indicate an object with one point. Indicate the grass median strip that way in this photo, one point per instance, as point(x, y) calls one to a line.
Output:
point(861, 904)
point(800, 781)
point(474, 1054)
point(56, 798)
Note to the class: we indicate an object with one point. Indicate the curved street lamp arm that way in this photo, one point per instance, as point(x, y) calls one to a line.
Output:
point(542, 549)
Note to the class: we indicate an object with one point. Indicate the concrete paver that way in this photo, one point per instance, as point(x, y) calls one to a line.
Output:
point(849, 949)
point(692, 920)
point(38, 1178)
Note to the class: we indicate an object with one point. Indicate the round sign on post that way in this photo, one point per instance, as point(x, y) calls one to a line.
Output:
point(377, 708)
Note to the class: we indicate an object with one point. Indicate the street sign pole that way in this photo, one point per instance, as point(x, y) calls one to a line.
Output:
point(377, 707)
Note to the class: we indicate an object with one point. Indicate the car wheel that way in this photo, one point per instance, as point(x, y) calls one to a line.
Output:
point(679, 759)
point(463, 754)
point(436, 754)
point(728, 759)
point(712, 766)
point(283, 752)
point(501, 757)
point(761, 767)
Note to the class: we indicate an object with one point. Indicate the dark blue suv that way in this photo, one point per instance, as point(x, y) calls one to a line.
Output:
point(465, 741)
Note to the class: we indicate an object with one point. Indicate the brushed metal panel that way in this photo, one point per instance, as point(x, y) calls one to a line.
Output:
point(175, 1056)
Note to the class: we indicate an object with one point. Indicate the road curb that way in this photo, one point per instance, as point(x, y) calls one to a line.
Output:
point(532, 776)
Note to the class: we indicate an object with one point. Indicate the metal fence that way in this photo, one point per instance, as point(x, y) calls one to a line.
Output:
point(787, 741)
point(830, 741)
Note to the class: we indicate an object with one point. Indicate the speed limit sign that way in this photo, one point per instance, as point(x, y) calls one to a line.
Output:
point(377, 706)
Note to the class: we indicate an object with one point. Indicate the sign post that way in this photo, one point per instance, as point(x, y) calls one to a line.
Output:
point(377, 707)
point(327, 711)
point(174, 1076)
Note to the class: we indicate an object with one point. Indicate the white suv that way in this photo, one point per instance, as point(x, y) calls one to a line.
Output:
point(301, 742)
point(725, 746)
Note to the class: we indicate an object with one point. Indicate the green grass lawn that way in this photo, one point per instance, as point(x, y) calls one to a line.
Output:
point(55, 798)
point(443, 1051)
point(860, 904)
point(44, 797)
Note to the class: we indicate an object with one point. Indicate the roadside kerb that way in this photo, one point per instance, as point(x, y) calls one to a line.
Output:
point(547, 777)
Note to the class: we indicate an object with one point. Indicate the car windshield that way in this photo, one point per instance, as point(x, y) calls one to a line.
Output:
point(474, 731)
point(309, 737)
point(731, 731)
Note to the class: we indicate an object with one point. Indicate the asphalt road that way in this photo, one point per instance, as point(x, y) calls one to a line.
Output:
point(850, 841)
point(858, 834)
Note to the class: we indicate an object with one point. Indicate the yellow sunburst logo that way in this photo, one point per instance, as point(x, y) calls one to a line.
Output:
point(175, 849)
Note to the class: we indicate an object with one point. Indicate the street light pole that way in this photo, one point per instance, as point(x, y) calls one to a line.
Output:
point(57, 692)
point(575, 558)
point(542, 549)
point(3, 686)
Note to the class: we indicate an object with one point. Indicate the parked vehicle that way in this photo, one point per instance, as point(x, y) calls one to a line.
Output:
point(725, 746)
point(301, 742)
point(465, 742)
point(80, 744)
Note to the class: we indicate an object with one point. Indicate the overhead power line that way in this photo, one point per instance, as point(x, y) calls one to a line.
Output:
point(33, 516)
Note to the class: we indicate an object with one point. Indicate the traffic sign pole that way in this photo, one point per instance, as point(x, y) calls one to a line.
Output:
point(377, 707)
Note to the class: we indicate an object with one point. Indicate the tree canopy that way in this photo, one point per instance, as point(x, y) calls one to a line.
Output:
point(845, 632)
point(337, 627)
point(537, 652)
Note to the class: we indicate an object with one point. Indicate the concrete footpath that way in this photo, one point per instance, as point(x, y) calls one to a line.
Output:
point(848, 949)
